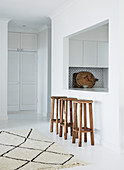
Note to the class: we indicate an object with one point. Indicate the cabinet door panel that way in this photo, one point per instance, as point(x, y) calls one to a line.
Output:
point(28, 94)
point(28, 42)
point(13, 95)
point(13, 41)
point(75, 52)
point(90, 53)
point(13, 66)
point(103, 54)
point(28, 81)
point(28, 67)
point(13, 81)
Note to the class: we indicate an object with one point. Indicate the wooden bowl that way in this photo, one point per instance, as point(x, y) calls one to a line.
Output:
point(85, 78)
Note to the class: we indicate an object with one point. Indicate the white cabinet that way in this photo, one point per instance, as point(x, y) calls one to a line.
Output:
point(22, 41)
point(75, 53)
point(103, 54)
point(90, 53)
point(22, 72)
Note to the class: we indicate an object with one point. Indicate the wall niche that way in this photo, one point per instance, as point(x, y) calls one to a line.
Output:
point(88, 52)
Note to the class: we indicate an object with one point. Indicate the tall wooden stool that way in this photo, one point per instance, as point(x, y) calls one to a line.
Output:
point(56, 119)
point(65, 123)
point(84, 129)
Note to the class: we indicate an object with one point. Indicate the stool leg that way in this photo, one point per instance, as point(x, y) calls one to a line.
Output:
point(80, 126)
point(71, 116)
point(56, 116)
point(85, 123)
point(74, 122)
point(65, 122)
point(61, 117)
point(52, 115)
point(76, 119)
point(64, 112)
point(91, 123)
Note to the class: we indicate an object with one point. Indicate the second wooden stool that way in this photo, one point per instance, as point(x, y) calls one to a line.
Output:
point(65, 123)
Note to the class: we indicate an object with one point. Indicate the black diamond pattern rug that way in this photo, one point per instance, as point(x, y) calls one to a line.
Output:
point(28, 149)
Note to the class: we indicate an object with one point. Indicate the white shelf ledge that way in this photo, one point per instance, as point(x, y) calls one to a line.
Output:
point(90, 89)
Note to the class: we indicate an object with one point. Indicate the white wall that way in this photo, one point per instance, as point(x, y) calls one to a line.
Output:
point(121, 70)
point(80, 15)
point(3, 67)
point(44, 85)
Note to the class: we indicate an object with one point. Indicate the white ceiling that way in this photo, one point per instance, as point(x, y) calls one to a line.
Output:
point(29, 14)
point(98, 33)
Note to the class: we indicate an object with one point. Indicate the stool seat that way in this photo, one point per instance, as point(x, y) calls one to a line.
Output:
point(58, 97)
point(68, 99)
point(83, 101)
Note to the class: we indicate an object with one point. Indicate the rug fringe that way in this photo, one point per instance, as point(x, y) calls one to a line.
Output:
point(63, 166)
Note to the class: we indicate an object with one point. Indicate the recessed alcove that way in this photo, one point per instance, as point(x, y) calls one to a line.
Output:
point(99, 73)
point(88, 51)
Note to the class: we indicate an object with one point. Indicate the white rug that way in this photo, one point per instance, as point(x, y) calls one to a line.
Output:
point(27, 149)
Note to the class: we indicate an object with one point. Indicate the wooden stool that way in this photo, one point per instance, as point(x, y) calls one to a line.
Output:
point(64, 123)
point(84, 129)
point(56, 120)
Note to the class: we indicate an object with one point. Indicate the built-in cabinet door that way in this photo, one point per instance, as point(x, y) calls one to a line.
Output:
point(75, 53)
point(13, 81)
point(90, 53)
point(22, 41)
point(14, 41)
point(103, 54)
point(28, 86)
point(28, 42)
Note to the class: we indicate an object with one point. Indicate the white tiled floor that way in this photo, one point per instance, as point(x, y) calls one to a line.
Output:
point(99, 157)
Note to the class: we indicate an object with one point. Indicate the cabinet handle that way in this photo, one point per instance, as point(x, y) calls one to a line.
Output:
point(17, 49)
point(22, 49)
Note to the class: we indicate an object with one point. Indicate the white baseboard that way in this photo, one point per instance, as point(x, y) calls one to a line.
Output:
point(98, 136)
point(3, 117)
point(44, 114)
point(122, 148)
point(110, 146)
point(99, 140)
